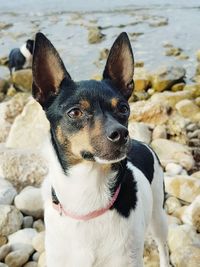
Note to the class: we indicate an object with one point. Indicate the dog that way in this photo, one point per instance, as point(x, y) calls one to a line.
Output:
point(20, 58)
point(103, 189)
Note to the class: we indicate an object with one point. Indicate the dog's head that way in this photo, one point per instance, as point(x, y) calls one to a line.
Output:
point(88, 119)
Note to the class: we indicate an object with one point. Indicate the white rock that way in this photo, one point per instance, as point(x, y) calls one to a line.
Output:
point(159, 132)
point(173, 220)
point(188, 109)
point(4, 250)
point(38, 242)
point(30, 128)
point(7, 192)
point(180, 236)
point(170, 151)
point(173, 169)
point(17, 258)
point(31, 264)
point(10, 220)
point(22, 239)
point(139, 131)
point(3, 264)
point(191, 215)
point(171, 204)
point(42, 260)
point(29, 201)
point(184, 187)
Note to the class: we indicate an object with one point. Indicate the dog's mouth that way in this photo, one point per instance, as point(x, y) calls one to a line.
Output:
point(108, 155)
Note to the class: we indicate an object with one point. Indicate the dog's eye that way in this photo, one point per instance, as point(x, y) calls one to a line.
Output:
point(123, 108)
point(75, 113)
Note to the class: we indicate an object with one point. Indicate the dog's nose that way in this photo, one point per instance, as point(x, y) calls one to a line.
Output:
point(118, 135)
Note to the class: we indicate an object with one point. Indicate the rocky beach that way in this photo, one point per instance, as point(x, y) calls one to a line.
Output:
point(165, 113)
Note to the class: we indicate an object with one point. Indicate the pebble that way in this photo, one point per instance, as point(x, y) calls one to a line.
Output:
point(10, 220)
point(171, 204)
point(17, 258)
point(31, 264)
point(29, 201)
point(173, 169)
point(4, 251)
point(3, 264)
point(35, 256)
point(159, 132)
point(38, 242)
point(42, 260)
point(38, 225)
point(27, 222)
point(7, 192)
point(140, 131)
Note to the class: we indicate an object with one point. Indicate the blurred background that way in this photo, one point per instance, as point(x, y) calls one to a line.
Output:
point(165, 110)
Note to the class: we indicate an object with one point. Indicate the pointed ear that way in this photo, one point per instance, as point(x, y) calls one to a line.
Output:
point(120, 65)
point(48, 70)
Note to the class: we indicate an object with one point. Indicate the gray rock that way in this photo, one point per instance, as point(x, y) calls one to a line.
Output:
point(3, 264)
point(29, 201)
point(10, 220)
point(38, 225)
point(4, 250)
point(17, 258)
point(27, 222)
point(7, 192)
point(36, 256)
point(139, 131)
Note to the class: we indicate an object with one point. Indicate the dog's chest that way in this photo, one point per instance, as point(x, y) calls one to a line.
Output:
point(95, 243)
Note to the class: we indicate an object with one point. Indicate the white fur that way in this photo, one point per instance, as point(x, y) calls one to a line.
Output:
point(28, 56)
point(106, 241)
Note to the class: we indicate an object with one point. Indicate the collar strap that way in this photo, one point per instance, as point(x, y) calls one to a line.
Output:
point(91, 215)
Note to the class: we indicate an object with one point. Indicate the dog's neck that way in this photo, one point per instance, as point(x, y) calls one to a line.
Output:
point(85, 187)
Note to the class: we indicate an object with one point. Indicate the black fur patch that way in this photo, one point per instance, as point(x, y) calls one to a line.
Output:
point(141, 157)
point(127, 197)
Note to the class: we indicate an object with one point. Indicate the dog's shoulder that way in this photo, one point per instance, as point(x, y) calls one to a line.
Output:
point(143, 158)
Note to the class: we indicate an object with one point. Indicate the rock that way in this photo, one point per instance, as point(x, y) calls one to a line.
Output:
point(42, 260)
point(183, 56)
point(7, 192)
point(29, 201)
point(187, 256)
point(39, 225)
point(104, 54)
point(193, 90)
point(38, 242)
point(95, 35)
point(4, 85)
point(173, 51)
point(22, 168)
point(31, 264)
point(3, 240)
point(166, 77)
point(191, 214)
point(198, 55)
point(5, 129)
point(22, 79)
point(188, 109)
point(196, 175)
point(158, 22)
point(171, 98)
point(178, 87)
point(173, 169)
point(4, 251)
point(139, 64)
point(171, 204)
point(5, 25)
point(27, 222)
point(3, 264)
point(151, 256)
point(36, 256)
point(197, 101)
point(197, 70)
point(17, 258)
point(22, 239)
point(148, 112)
point(159, 132)
point(11, 91)
point(139, 131)
point(173, 220)
point(30, 128)
point(13, 107)
point(169, 151)
point(180, 236)
point(10, 220)
point(141, 80)
point(4, 61)
point(184, 187)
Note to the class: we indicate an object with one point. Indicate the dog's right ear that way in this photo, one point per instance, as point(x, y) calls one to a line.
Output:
point(48, 70)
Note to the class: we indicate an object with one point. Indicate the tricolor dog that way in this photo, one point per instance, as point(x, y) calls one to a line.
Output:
point(103, 189)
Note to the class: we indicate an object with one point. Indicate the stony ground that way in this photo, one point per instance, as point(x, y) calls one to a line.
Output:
point(165, 113)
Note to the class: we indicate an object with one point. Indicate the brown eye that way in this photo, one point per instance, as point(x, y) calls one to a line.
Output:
point(75, 113)
point(123, 109)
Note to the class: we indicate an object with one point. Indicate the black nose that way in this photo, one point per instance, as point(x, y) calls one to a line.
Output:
point(118, 135)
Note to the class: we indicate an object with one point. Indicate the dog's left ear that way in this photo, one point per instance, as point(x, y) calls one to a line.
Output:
point(120, 65)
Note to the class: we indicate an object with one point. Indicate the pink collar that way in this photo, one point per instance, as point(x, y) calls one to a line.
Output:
point(90, 215)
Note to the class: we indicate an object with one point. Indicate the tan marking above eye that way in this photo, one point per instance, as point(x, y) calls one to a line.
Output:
point(85, 104)
point(114, 102)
